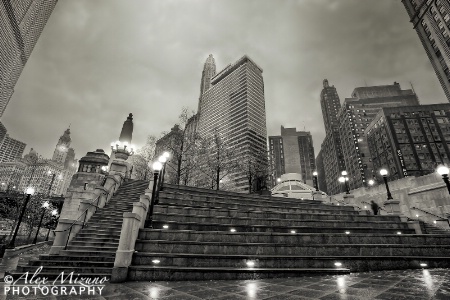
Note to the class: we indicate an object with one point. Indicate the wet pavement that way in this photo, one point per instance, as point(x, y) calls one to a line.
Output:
point(404, 284)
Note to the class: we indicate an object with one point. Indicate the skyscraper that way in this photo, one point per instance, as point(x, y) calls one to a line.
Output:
point(292, 152)
point(209, 70)
point(331, 149)
point(11, 149)
point(234, 107)
point(21, 24)
point(354, 117)
point(431, 20)
point(409, 140)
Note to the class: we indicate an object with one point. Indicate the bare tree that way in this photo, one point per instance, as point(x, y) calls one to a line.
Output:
point(255, 166)
point(142, 158)
point(182, 143)
point(218, 159)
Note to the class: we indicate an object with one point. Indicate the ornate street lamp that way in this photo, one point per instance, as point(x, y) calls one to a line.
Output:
point(157, 166)
point(316, 183)
point(443, 171)
point(29, 192)
point(44, 208)
point(344, 179)
point(384, 172)
point(163, 160)
point(54, 214)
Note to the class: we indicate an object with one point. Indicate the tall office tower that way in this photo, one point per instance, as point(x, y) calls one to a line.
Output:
point(292, 152)
point(11, 149)
point(354, 117)
point(409, 140)
point(320, 168)
point(21, 24)
point(333, 159)
point(234, 107)
point(209, 70)
point(431, 20)
point(62, 147)
point(2, 132)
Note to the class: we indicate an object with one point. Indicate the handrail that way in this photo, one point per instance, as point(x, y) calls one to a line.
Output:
point(442, 218)
point(84, 221)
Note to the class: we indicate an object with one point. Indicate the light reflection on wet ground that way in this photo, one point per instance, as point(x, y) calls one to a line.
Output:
point(404, 284)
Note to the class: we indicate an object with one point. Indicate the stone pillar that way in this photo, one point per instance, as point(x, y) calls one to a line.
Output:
point(392, 207)
point(317, 195)
point(124, 254)
point(416, 226)
point(349, 199)
point(140, 208)
point(102, 193)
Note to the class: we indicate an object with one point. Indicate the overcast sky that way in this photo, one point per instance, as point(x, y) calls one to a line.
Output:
point(97, 61)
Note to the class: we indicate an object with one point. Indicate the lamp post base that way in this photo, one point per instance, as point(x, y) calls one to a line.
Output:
point(392, 207)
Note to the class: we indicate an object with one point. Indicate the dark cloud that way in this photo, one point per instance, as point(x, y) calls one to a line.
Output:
point(97, 61)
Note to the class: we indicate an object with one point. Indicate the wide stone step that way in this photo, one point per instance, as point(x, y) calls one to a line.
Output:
point(206, 211)
point(67, 269)
point(279, 201)
point(72, 263)
point(95, 234)
point(157, 224)
point(93, 244)
point(108, 231)
point(157, 246)
point(92, 248)
point(175, 273)
point(75, 252)
point(171, 207)
point(248, 221)
point(202, 191)
point(353, 263)
point(293, 238)
point(257, 206)
point(47, 257)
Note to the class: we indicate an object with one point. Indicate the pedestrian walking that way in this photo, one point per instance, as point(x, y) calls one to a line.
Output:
point(375, 207)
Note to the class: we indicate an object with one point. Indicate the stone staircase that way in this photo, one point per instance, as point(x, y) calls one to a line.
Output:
point(203, 234)
point(432, 229)
point(92, 251)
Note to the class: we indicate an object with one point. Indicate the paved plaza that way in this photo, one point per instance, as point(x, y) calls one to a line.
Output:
point(405, 284)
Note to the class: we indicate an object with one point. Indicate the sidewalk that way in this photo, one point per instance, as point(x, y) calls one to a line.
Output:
point(404, 284)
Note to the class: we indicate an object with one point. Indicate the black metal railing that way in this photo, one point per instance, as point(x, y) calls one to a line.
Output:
point(84, 213)
point(440, 218)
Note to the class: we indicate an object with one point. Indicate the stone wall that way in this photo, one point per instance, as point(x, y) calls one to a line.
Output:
point(427, 192)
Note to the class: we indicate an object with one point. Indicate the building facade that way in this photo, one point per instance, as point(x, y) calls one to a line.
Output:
point(10, 149)
point(431, 20)
point(234, 107)
point(331, 148)
point(292, 152)
point(320, 168)
point(21, 24)
point(410, 140)
point(354, 117)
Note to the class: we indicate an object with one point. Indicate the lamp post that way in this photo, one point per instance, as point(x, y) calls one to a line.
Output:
point(51, 182)
point(29, 192)
point(344, 179)
point(54, 213)
point(371, 182)
point(316, 183)
point(163, 160)
point(44, 208)
point(443, 171)
point(157, 166)
point(384, 172)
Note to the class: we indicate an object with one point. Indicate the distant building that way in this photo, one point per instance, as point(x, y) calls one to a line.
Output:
point(410, 140)
point(331, 148)
point(320, 168)
point(10, 149)
point(21, 24)
point(292, 152)
point(354, 117)
point(431, 20)
point(234, 107)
